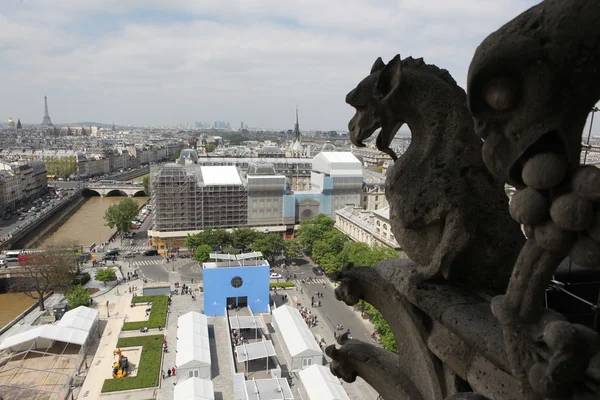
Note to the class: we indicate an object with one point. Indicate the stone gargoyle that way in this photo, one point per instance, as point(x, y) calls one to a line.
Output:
point(449, 214)
point(531, 86)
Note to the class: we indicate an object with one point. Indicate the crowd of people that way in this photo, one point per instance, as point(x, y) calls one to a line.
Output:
point(311, 320)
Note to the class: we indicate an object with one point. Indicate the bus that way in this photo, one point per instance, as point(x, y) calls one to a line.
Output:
point(12, 255)
point(26, 255)
point(51, 176)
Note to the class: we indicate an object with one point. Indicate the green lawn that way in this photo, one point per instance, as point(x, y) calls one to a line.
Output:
point(158, 314)
point(149, 369)
point(281, 284)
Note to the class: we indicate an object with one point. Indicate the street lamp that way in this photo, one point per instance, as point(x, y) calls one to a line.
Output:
point(107, 311)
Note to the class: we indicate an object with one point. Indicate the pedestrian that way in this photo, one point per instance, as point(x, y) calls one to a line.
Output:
point(173, 371)
point(163, 374)
point(169, 372)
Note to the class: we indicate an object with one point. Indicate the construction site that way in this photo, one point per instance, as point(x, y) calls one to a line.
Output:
point(189, 198)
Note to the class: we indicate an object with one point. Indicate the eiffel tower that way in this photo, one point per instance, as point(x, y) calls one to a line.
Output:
point(47, 121)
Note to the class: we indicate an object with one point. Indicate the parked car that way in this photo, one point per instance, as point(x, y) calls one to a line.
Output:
point(318, 271)
point(110, 257)
point(275, 275)
point(112, 252)
point(128, 235)
point(152, 252)
point(131, 254)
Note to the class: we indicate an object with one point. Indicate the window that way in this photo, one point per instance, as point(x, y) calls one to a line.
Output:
point(192, 374)
point(378, 223)
point(237, 282)
point(385, 227)
point(306, 362)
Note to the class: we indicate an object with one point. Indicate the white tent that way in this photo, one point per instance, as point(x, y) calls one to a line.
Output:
point(300, 347)
point(255, 351)
point(43, 337)
point(268, 389)
point(83, 318)
point(320, 384)
point(193, 346)
point(194, 389)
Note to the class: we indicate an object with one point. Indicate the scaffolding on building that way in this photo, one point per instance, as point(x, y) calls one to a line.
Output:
point(184, 201)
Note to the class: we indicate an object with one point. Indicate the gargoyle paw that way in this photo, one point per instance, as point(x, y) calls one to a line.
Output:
point(341, 365)
point(350, 289)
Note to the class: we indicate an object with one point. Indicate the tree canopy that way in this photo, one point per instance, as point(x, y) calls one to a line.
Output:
point(312, 231)
point(121, 214)
point(77, 296)
point(210, 237)
point(51, 269)
point(269, 245)
point(146, 183)
point(210, 148)
point(106, 275)
point(202, 252)
point(242, 238)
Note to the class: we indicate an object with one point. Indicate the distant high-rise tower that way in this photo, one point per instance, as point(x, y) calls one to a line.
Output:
point(113, 128)
point(47, 121)
point(19, 126)
point(296, 148)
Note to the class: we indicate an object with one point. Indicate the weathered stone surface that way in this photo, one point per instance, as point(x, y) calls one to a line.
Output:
point(454, 222)
point(529, 207)
point(544, 171)
point(533, 57)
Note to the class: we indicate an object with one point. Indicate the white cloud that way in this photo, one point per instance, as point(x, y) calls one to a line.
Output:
point(243, 60)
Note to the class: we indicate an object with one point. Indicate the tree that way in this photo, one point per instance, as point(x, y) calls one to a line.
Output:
point(78, 296)
point(146, 183)
point(176, 154)
point(51, 269)
point(269, 245)
point(333, 242)
point(106, 275)
point(210, 147)
point(209, 236)
point(121, 214)
point(202, 253)
point(242, 238)
point(310, 232)
point(293, 249)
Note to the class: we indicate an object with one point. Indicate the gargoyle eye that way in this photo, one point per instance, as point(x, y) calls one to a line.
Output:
point(500, 93)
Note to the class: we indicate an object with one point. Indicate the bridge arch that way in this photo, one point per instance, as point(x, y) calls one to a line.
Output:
point(116, 192)
point(90, 193)
point(139, 193)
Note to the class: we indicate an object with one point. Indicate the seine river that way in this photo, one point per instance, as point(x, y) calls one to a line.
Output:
point(85, 226)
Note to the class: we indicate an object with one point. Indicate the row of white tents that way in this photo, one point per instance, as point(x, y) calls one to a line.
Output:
point(193, 358)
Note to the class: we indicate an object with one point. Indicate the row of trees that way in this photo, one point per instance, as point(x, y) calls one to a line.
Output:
point(331, 249)
point(240, 240)
point(62, 167)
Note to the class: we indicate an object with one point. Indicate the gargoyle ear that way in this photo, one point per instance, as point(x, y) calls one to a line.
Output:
point(389, 80)
point(379, 64)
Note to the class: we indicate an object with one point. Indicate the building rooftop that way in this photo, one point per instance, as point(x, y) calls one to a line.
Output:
point(220, 175)
point(337, 164)
point(383, 213)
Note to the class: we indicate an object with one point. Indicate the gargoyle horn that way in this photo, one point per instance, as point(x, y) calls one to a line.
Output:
point(389, 80)
point(379, 64)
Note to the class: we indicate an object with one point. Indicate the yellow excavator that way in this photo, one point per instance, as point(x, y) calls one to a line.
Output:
point(120, 366)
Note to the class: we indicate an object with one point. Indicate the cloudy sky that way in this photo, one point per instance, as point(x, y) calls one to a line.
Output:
point(168, 62)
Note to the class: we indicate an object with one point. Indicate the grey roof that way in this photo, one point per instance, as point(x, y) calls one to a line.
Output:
point(328, 147)
point(261, 168)
point(189, 154)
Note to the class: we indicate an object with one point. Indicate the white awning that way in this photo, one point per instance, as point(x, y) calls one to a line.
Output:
point(244, 322)
point(321, 384)
point(52, 332)
point(268, 389)
point(295, 333)
point(245, 256)
point(194, 389)
point(255, 351)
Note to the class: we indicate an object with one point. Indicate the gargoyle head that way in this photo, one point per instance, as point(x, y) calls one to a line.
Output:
point(522, 94)
point(369, 99)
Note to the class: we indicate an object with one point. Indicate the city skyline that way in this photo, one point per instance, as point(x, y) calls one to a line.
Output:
point(149, 63)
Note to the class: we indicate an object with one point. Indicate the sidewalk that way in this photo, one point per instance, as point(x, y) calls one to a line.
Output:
point(359, 390)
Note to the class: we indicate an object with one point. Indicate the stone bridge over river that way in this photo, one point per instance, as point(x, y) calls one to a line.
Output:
point(115, 189)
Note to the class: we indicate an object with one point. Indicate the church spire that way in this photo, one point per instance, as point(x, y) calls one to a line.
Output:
point(297, 127)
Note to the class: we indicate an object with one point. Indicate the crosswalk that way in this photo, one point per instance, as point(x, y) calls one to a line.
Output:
point(312, 281)
point(134, 248)
point(147, 262)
